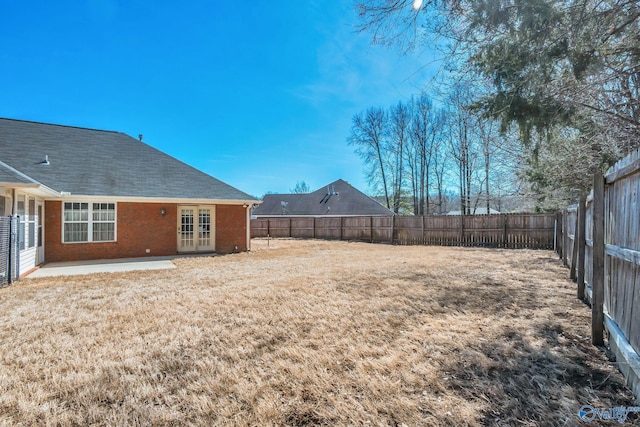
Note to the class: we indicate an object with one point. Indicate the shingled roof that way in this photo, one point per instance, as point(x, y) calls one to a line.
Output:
point(336, 199)
point(92, 162)
point(9, 174)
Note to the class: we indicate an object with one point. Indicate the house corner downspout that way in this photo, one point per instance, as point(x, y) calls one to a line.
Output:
point(248, 237)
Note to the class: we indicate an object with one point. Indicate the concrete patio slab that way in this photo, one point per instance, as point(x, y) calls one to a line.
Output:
point(73, 268)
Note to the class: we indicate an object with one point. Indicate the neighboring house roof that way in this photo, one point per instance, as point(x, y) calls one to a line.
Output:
point(337, 198)
point(477, 211)
point(92, 162)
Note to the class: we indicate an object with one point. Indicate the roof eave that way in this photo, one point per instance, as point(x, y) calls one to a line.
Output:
point(176, 200)
point(34, 188)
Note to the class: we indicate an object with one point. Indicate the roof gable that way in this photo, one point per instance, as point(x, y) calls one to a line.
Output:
point(337, 198)
point(103, 163)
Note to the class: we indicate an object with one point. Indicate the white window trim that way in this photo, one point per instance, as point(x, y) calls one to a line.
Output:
point(23, 221)
point(90, 223)
point(32, 225)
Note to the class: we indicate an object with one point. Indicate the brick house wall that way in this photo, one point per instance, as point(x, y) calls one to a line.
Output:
point(140, 226)
point(231, 228)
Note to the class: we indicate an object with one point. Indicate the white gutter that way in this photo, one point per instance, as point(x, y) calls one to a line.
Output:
point(136, 199)
point(36, 185)
point(50, 194)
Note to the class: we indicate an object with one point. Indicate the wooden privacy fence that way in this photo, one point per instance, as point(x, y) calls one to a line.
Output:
point(600, 243)
point(533, 231)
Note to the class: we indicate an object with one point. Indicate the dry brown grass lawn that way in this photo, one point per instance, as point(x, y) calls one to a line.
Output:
point(307, 333)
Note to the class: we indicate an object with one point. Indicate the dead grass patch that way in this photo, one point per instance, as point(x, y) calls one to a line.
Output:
point(307, 333)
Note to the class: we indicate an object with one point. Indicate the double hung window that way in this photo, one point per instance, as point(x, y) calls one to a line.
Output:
point(31, 221)
point(89, 222)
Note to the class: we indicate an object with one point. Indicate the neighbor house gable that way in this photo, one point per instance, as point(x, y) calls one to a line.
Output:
point(338, 198)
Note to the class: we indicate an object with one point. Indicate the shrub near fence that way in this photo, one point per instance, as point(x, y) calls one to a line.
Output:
point(533, 231)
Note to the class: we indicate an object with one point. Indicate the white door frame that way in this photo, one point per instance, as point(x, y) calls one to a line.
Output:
point(196, 228)
point(40, 232)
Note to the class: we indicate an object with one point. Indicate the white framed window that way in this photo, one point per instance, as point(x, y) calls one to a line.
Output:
point(88, 222)
point(22, 225)
point(31, 220)
point(104, 222)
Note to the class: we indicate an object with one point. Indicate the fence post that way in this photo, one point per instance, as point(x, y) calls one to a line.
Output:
point(290, 228)
point(558, 241)
point(581, 235)
point(393, 227)
point(341, 227)
point(462, 228)
point(9, 242)
point(574, 256)
point(597, 297)
point(371, 228)
point(314, 227)
point(555, 234)
point(14, 256)
point(565, 237)
point(504, 231)
point(424, 238)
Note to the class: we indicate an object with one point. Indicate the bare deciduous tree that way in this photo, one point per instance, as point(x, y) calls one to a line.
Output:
point(368, 134)
point(566, 73)
point(423, 134)
point(399, 123)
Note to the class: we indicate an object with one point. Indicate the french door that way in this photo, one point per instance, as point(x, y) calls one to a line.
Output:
point(196, 228)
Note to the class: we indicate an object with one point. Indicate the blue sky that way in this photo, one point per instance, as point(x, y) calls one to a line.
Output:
point(258, 94)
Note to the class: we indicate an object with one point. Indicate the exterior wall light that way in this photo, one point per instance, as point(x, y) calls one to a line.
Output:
point(162, 212)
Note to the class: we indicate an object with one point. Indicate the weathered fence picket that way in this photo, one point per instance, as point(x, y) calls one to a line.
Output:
point(533, 231)
point(608, 260)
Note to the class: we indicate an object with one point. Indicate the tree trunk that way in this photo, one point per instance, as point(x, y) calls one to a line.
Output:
point(384, 178)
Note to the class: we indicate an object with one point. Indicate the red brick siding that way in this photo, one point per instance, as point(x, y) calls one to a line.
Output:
point(140, 226)
point(231, 228)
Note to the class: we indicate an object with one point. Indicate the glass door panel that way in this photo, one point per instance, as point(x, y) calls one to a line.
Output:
point(196, 228)
point(186, 239)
